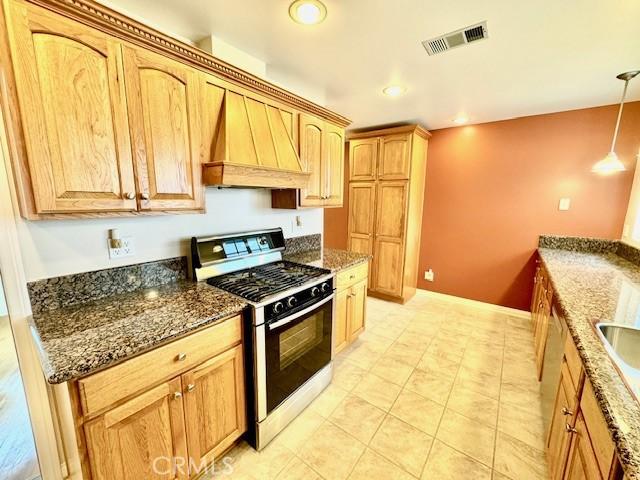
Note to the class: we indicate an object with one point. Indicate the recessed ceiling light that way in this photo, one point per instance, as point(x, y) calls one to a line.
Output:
point(461, 119)
point(393, 90)
point(307, 12)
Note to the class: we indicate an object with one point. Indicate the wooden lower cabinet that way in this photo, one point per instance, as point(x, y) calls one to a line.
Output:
point(559, 438)
point(350, 311)
point(214, 406)
point(140, 438)
point(173, 430)
point(582, 463)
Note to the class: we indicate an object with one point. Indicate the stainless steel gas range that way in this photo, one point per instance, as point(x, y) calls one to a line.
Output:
point(288, 333)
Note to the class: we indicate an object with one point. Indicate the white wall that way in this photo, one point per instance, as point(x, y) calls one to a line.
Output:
point(52, 248)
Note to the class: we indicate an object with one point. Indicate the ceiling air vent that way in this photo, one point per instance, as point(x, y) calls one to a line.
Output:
point(457, 38)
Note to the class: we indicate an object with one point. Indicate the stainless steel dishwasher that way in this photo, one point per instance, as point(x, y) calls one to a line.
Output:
point(554, 350)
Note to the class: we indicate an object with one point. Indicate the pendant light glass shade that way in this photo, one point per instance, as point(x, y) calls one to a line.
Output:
point(611, 163)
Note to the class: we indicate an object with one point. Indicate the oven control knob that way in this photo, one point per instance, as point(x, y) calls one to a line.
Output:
point(278, 307)
point(315, 291)
point(291, 302)
point(324, 287)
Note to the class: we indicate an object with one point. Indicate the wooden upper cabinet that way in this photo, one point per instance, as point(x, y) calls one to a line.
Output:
point(215, 412)
point(163, 97)
point(311, 152)
point(363, 159)
point(333, 165)
point(73, 110)
point(395, 157)
point(124, 442)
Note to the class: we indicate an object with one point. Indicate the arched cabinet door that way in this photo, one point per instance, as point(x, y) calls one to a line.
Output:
point(311, 152)
point(71, 95)
point(162, 99)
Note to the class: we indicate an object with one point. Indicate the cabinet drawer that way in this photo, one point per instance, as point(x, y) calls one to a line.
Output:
point(104, 388)
point(598, 430)
point(574, 363)
point(352, 275)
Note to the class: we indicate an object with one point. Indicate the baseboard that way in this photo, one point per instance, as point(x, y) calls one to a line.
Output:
point(514, 312)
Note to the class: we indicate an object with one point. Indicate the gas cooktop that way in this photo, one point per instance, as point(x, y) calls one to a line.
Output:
point(257, 283)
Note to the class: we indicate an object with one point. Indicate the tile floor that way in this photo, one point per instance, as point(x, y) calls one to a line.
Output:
point(432, 390)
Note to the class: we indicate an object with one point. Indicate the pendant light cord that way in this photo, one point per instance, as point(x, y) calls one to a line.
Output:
point(615, 134)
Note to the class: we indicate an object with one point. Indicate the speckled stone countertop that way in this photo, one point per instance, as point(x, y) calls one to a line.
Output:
point(588, 287)
point(329, 258)
point(77, 340)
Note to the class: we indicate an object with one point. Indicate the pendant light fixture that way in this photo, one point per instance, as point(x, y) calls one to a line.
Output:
point(611, 163)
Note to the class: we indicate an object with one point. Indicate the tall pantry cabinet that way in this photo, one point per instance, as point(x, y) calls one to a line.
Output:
point(386, 193)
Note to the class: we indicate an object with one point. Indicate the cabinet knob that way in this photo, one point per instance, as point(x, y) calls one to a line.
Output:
point(570, 429)
point(191, 387)
point(129, 195)
point(144, 196)
point(352, 276)
point(566, 411)
point(181, 357)
point(177, 395)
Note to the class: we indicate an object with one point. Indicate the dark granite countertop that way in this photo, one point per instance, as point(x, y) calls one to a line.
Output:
point(77, 340)
point(329, 258)
point(588, 288)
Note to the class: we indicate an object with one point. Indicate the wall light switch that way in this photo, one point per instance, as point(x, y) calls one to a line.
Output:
point(564, 204)
point(127, 248)
point(429, 275)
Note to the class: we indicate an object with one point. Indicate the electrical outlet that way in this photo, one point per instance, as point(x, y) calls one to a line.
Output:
point(564, 204)
point(127, 248)
point(428, 275)
point(296, 223)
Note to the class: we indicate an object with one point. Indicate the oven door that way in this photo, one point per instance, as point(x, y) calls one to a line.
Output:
point(296, 348)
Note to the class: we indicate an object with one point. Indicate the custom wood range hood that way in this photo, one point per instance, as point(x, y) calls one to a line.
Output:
point(251, 142)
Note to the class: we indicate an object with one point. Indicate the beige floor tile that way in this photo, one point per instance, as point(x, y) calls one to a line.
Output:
point(389, 330)
point(499, 476)
point(438, 350)
point(328, 400)
point(372, 466)
point(415, 340)
point(430, 362)
point(514, 395)
point(347, 375)
point(473, 405)
point(467, 436)
point(420, 412)
point(404, 445)
point(517, 460)
point(364, 355)
point(267, 464)
point(296, 469)
point(392, 370)
point(300, 430)
point(358, 418)
point(378, 342)
point(331, 452)
point(377, 391)
point(480, 381)
point(430, 385)
point(445, 463)
point(522, 424)
point(405, 353)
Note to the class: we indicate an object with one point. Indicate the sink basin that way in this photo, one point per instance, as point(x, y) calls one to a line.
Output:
point(623, 344)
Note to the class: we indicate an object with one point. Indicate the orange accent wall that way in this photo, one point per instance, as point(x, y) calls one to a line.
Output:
point(492, 188)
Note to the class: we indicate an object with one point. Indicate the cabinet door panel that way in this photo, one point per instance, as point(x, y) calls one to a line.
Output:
point(582, 463)
point(563, 414)
point(74, 112)
point(362, 198)
point(395, 157)
point(341, 323)
point(333, 165)
point(215, 410)
point(391, 207)
point(311, 151)
point(363, 159)
point(163, 101)
point(358, 309)
point(142, 438)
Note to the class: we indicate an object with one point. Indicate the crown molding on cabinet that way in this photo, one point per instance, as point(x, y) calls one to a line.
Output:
point(109, 21)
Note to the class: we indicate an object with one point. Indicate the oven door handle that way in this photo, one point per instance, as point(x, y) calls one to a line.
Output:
point(299, 314)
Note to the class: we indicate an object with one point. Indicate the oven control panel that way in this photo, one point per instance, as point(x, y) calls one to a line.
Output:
point(297, 301)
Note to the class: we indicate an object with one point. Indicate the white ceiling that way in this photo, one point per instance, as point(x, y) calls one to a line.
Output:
point(541, 56)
